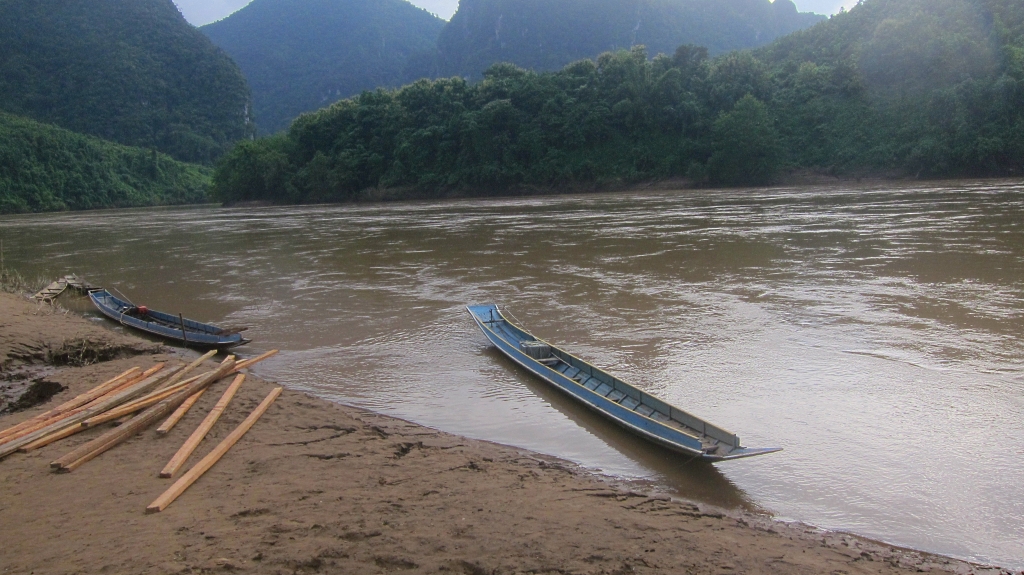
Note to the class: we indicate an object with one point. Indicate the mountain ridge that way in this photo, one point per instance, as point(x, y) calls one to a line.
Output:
point(299, 55)
point(846, 97)
point(129, 71)
point(546, 35)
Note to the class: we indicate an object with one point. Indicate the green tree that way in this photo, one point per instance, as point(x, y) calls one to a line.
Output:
point(254, 170)
point(746, 146)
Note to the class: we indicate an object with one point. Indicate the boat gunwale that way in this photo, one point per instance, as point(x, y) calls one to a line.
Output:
point(202, 339)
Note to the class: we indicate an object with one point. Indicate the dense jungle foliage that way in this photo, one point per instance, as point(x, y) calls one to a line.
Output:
point(300, 55)
point(46, 168)
point(923, 87)
point(548, 34)
point(129, 71)
point(902, 87)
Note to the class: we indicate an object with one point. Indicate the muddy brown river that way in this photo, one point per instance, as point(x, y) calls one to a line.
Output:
point(875, 333)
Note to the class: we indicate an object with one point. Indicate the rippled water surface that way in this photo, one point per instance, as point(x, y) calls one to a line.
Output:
point(874, 333)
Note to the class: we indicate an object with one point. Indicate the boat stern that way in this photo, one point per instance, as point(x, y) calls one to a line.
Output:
point(740, 453)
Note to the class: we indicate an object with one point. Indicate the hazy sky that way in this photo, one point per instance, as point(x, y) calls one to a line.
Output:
point(200, 12)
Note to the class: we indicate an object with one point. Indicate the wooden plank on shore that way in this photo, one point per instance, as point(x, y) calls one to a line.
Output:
point(188, 369)
point(48, 439)
point(248, 362)
point(138, 404)
point(114, 398)
point(86, 452)
point(175, 417)
point(58, 432)
point(135, 391)
point(197, 436)
point(213, 457)
point(76, 402)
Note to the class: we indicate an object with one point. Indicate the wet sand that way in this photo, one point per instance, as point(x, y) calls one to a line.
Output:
point(317, 487)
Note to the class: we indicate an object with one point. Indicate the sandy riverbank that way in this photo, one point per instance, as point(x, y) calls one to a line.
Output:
point(319, 487)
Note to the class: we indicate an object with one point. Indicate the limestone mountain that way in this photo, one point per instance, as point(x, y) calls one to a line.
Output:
point(300, 55)
point(129, 71)
point(548, 34)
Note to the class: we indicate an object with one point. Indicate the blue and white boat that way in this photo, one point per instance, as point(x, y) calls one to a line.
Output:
point(185, 331)
point(620, 402)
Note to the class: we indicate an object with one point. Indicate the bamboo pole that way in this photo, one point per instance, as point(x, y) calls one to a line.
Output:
point(197, 436)
point(175, 417)
point(204, 465)
point(69, 405)
point(112, 399)
point(84, 453)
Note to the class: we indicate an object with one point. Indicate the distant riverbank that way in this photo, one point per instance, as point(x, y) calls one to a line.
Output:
point(798, 178)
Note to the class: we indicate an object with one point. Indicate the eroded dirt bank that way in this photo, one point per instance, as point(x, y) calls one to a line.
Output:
point(317, 487)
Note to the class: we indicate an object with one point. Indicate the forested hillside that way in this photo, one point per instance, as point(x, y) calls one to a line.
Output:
point(548, 34)
point(45, 168)
point(929, 88)
point(300, 55)
point(129, 71)
point(925, 87)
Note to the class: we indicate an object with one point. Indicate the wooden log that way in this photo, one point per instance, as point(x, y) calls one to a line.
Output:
point(197, 436)
point(99, 405)
point(69, 405)
point(117, 435)
point(137, 405)
point(175, 417)
point(204, 465)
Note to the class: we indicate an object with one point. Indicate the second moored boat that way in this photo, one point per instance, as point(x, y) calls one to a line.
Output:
point(647, 416)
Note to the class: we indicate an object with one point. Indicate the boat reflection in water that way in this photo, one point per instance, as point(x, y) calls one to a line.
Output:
point(688, 477)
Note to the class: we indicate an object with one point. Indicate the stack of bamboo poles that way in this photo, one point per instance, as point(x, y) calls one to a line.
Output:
point(138, 399)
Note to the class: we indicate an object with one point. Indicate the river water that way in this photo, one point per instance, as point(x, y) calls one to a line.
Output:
point(873, 333)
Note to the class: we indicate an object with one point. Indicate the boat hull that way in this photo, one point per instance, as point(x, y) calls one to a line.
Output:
point(693, 441)
point(196, 334)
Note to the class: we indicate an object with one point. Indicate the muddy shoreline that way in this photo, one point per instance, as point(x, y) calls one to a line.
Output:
point(317, 487)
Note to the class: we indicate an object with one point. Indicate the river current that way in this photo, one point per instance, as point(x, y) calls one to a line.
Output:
point(875, 333)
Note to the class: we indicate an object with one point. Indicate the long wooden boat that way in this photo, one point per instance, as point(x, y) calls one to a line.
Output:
point(173, 327)
point(618, 401)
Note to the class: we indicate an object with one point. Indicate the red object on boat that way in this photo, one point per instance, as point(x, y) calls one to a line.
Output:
point(143, 310)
